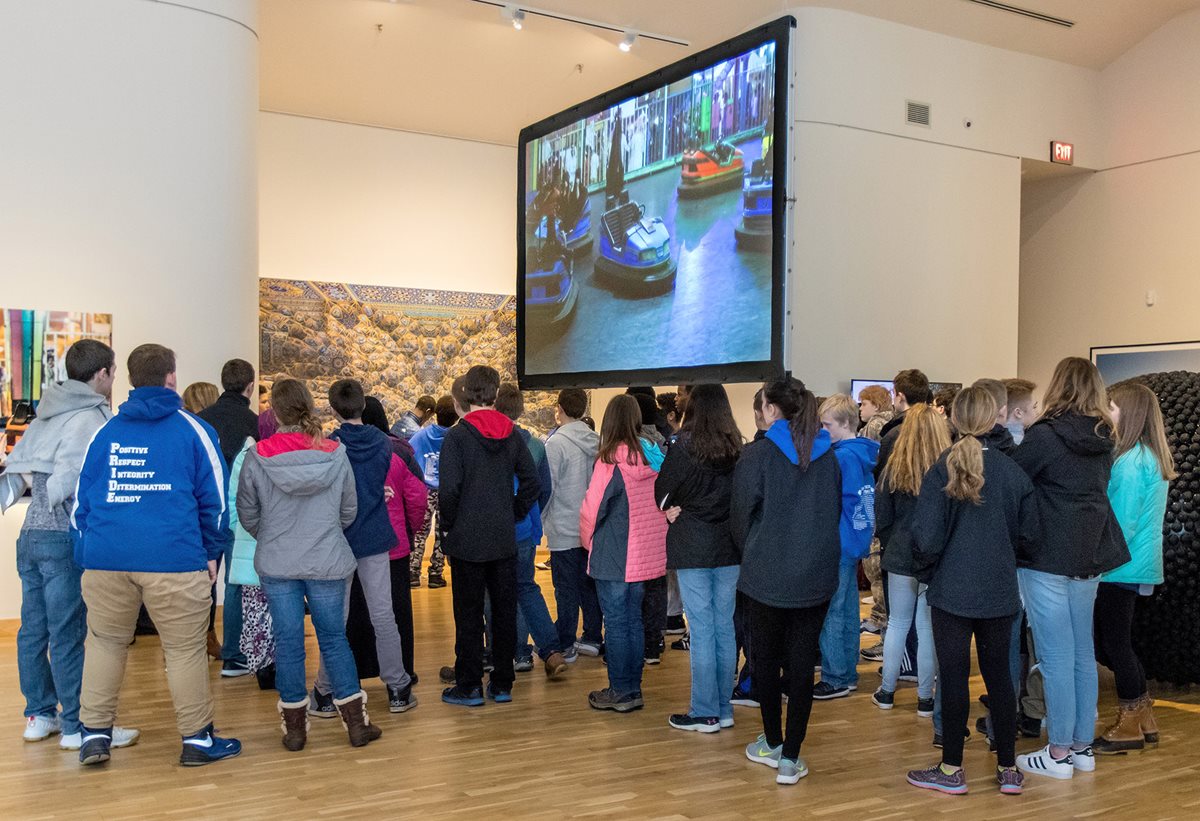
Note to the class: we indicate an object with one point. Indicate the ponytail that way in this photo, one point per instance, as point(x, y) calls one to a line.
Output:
point(974, 414)
point(293, 406)
point(799, 408)
point(311, 427)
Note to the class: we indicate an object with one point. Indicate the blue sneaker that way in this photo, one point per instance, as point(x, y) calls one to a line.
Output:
point(463, 698)
point(497, 695)
point(205, 747)
point(95, 747)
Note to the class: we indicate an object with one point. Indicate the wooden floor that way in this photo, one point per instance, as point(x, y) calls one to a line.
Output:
point(548, 755)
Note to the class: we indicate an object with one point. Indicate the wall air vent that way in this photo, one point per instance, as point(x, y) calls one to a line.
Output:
point(1030, 13)
point(916, 113)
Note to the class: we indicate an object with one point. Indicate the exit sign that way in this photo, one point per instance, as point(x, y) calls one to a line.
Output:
point(1062, 152)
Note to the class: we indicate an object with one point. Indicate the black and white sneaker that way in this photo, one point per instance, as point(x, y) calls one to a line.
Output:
point(824, 691)
point(95, 747)
point(1043, 763)
point(742, 699)
point(883, 699)
point(400, 699)
point(234, 669)
point(683, 643)
point(925, 707)
point(321, 706)
point(872, 653)
point(699, 724)
point(675, 626)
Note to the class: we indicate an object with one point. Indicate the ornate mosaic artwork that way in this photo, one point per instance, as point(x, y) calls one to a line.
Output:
point(400, 342)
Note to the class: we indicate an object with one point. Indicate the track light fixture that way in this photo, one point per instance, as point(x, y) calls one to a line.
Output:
point(513, 15)
point(627, 41)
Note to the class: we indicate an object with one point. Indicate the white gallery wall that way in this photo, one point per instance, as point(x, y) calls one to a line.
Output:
point(1093, 245)
point(128, 179)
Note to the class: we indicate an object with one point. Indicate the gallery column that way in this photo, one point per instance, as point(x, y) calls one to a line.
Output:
point(128, 170)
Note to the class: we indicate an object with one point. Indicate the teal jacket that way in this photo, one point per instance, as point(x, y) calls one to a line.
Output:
point(1138, 495)
point(241, 560)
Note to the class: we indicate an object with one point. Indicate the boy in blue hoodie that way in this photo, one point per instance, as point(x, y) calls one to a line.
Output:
point(427, 447)
point(371, 537)
point(856, 457)
point(150, 520)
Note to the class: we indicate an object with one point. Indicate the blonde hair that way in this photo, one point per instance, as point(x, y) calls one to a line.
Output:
point(878, 396)
point(199, 395)
point(842, 408)
point(1142, 423)
point(973, 413)
point(924, 436)
point(1076, 387)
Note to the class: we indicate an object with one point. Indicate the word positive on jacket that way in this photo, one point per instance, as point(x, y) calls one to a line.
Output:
point(119, 492)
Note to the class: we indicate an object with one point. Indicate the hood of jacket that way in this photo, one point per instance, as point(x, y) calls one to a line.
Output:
point(435, 434)
point(895, 421)
point(640, 470)
point(294, 467)
point(361, 439)
point(863, 451)
point(68, 397)
point(1078, 433)
point(581, 436)
point(490, 426)
point(780, 435)
point(150, 404)
point(653, 453)
point(998, 438)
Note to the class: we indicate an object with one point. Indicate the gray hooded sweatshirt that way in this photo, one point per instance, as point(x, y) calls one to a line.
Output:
point(571, 452)
point(296, 504)
point(50, 454)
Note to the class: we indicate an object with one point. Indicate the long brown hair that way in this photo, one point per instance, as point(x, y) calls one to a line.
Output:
point(712, 435)
point(621, 424)
point(1076, 387)
point(293, 406)
point(799, 408)
point(974, 414)
point(924, 436)
point(1141, 423)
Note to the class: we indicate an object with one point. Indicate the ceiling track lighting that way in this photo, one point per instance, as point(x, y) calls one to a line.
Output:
point(514, 14)
point(1030, 13)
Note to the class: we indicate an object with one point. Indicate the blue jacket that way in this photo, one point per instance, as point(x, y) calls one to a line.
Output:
point(1138, 495)
point(856, 457)
point(370, 454)
point(427, 450)
point(529, 529)
point(151, 494)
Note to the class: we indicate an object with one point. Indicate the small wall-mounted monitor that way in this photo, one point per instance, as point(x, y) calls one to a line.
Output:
point(856, 386)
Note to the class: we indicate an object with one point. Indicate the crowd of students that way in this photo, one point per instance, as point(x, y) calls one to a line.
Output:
point(1036, 552)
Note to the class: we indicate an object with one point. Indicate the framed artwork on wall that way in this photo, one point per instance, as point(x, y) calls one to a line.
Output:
point(1120, 362)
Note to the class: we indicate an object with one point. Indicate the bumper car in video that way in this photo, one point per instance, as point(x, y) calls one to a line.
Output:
point(709, 170)
point(634, 249)
point(571, 209)
point(754, 231)
point(550, 292)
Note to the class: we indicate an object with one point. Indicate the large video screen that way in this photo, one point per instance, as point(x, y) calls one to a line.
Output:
point(651, 244)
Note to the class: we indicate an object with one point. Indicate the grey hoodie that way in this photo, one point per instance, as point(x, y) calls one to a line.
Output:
point(571, 452)
point(296, 504)
point(67, 417)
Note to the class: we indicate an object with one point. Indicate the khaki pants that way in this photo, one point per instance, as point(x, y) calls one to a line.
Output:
point(874, 574)
point(178, 603)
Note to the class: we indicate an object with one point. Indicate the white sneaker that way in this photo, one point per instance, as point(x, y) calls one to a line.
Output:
point(1042, 763)
point(1084, 760)
point(121, 737)
point(39, 728)
point(726, 723)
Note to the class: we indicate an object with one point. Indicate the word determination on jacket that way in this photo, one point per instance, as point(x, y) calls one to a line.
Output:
point(126, 492)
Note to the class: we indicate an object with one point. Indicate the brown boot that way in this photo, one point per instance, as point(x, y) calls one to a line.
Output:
point(294, 723)
point(1148, 725)
point(1125, 734)
point(355, 720)
point(214, 646)
point(556, 665)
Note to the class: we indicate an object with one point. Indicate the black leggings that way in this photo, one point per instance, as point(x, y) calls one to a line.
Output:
point(402, 609)
point(785, 639)
point(952, 637)
point(1113, 622)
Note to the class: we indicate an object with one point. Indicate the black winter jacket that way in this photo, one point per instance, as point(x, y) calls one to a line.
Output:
point(999, 438)
point(785, 525)
point(888, 435)
point(233, 421)
point(700, 537)
point(483, 460)
point(1069, 463)
point(968, 553)
point(893, 525)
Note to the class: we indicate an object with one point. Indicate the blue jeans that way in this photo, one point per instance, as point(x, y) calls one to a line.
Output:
point(574, 590)
point(839, 636)
point(708, 596)
point(621, 603)
point(53, 626)
point(231, 621)
point(906, 600)
point(532, 613)
point(327, 605)
point(1059, 610)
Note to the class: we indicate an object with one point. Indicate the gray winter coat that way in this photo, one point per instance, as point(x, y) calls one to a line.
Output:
point(571, 452)
point(296, 505)
point(68, 415)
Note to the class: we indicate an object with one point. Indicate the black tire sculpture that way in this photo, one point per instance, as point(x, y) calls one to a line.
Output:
point(1165, 626)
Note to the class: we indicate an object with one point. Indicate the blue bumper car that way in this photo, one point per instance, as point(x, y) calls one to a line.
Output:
point(550, 289)
point(754, 232)
point(634, 250)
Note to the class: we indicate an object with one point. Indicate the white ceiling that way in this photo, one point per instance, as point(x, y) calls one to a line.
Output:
point(453, 67)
